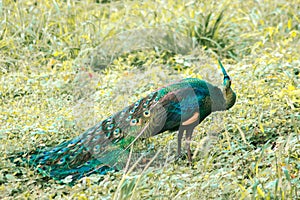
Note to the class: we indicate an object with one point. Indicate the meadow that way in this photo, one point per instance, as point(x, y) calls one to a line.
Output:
point(66, 65)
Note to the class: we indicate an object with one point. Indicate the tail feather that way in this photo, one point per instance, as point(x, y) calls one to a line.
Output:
point(102, 148)
point(76, 160)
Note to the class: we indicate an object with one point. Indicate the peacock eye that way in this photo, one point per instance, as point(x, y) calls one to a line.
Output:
point(99, 129)
point(109, 119)
point(61, 161)
point(71, 144)
point(132, 111)
point(136, 104)
point(107, 135)
point(133, 122)
point(123, 112)
point(97, 148)
point(151, 95)
point(97, 137)
point(110, 126)
point(117, 132)
point(147, 113)
point(63, 150)
point(128, 118)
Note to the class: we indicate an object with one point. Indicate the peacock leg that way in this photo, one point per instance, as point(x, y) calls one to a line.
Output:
point(180, 134)
point(188, 136)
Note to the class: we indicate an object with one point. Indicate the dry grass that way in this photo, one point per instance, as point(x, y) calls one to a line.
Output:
point(49, 92)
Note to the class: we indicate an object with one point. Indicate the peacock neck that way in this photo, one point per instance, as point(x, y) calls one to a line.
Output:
point(221, 99)
point(230, 98)
point(217, 98)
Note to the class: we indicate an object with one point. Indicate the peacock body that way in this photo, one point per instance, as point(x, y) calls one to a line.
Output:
point(104, 147)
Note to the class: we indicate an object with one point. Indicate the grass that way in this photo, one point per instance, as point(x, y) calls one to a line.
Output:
point(65, 65)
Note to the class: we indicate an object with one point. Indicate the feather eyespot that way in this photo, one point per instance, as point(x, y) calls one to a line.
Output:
point(99, 129)
point(97, 148)
point(90, 131)
point(132, 111)
point(133, 122)
point(136, 104)
point(117, 132)
point(54, 150)
point(107, 135)
point(62, 150)
point(123, 112)
point(43, 160)
point(110, 127)
point(151, 95)
point(109, 119)
point(71, 144)
point(128, 118)
point(146, 113)
point(61, 161)
point(97, 137)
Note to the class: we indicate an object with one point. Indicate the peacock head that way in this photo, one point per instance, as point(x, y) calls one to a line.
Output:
point(228, 93)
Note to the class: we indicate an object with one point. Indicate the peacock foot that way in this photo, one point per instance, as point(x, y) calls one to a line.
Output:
point(179, 157)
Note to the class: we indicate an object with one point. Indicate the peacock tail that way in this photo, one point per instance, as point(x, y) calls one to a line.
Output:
point(106, 146)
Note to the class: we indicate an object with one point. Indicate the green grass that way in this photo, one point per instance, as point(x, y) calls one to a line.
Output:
point(65, 65)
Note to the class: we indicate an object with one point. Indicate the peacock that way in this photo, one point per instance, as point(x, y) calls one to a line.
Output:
point(106, 146)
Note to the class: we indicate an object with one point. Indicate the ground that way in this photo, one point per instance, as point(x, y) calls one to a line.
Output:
point(65, 65)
